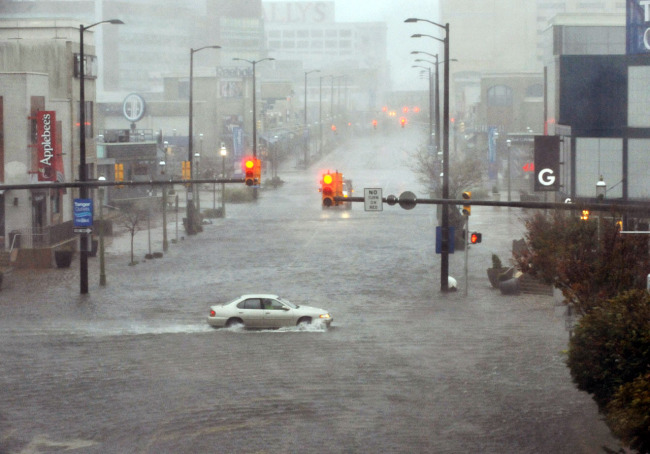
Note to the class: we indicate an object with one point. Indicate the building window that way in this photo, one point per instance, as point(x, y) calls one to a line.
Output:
point(499, 96)
point(535, 91)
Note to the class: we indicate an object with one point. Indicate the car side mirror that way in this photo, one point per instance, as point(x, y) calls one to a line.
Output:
point(285, 308)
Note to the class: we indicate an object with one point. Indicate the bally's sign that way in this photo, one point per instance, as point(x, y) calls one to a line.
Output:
point(46, 131)
point(638, 27)
point(547, 163)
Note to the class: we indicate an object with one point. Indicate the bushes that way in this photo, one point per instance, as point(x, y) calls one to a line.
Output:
point(609, 357)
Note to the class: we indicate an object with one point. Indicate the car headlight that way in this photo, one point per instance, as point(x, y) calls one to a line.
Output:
point(325, 316)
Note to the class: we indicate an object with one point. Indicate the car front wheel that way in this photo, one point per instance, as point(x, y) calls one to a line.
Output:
point(303, 321)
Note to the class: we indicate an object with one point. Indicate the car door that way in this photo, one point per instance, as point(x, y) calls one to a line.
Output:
point(276, 314)
point(250, 311)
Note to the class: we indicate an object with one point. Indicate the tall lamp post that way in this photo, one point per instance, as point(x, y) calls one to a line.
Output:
point(444, 253)
point(162, 165)
point(223, 153)
point(430, 100)
point(102, 263)
point(83, 171)
point(254, 63)
point(190, 154)
point(306, 136)
point(436, 84)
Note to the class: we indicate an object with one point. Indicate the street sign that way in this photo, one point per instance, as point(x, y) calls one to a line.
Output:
point(82, 230)
point(452, 242)
point(83, 213)
point(372, 199)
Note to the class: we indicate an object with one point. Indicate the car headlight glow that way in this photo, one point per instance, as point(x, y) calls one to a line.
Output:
point(324, 316)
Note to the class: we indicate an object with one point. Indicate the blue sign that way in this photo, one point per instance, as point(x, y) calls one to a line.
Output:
point(237, 142)
point(452, 242)
point(638, 27)
point(83, 212)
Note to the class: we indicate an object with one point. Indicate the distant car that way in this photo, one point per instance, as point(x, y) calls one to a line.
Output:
point(265, 311)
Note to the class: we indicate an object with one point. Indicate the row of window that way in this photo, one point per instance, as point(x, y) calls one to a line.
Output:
point(330, 44)
point(316, 33)
point(501, 95)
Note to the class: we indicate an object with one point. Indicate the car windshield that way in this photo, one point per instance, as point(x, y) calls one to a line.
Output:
point(288, 303)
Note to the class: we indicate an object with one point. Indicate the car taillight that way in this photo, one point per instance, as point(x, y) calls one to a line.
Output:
point(212, 313)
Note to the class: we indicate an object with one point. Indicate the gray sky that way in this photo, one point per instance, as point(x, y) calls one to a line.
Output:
point(400, 44)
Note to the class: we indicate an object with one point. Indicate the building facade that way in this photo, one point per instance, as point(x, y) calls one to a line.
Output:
point(40, 128)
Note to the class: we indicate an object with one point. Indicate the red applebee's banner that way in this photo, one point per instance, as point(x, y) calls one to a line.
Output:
point(49, 160)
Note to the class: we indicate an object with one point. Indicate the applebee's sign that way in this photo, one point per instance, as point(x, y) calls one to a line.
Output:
point(638, 27)
point(46, 131)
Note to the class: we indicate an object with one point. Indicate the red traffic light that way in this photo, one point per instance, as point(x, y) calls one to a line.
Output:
point(252, 171)
point(402, 121)
point(475, 237)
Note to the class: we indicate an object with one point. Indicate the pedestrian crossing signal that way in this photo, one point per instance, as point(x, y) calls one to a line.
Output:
point(475, 237)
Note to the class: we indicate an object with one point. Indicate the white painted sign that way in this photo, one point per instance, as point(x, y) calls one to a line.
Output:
point(372, 199)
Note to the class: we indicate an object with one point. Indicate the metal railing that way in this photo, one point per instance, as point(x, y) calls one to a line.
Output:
point(41, 237)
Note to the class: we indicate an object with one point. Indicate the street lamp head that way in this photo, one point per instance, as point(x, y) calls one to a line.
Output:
point(115, 22)
point(411, 19)
point(417, 35)
point(223, 151)
point(601, 188)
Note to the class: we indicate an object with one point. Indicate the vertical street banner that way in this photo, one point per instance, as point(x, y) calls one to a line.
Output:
point(637, 31)
point(237, 142)
point(46, 145)
point(547, 163)
point(492, 153)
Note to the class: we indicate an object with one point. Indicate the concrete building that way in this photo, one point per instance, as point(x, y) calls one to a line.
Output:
point(156, 38)
point(598, 104)
point(501, 37)
point(39, 95)
point(353, 56)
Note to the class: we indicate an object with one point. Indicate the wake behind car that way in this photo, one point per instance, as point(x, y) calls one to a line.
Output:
point(265, 311)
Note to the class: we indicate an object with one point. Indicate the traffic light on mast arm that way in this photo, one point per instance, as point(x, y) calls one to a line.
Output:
point(252, 171)
point(331, 186)
point(467, 209)
point(402, 121)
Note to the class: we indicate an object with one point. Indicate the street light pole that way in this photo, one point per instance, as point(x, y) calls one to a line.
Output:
point(223, 152)
point(254, 63)
point(190, 155)
point(306, 136)
point(102, 263)
point(164, 207)
point(83, 173)
point(444, 255)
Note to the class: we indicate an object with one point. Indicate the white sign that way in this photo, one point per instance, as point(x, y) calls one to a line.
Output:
point(372, 199)
point(133, 107)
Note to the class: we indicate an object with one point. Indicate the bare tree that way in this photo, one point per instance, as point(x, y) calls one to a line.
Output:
point(131, 219)
point(464, 174)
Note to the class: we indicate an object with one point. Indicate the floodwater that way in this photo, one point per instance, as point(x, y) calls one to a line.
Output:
point(134, 367)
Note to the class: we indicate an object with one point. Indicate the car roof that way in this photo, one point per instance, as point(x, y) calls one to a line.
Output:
point(259, 295)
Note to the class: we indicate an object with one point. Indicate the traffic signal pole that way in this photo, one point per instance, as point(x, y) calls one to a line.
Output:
point(466, 254)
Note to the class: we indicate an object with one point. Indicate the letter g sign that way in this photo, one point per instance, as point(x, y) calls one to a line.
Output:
point(546, 177)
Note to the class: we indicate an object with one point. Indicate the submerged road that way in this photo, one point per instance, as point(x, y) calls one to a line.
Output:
point(133, 367)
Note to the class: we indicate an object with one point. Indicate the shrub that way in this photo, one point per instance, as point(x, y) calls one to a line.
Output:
point(611, 346)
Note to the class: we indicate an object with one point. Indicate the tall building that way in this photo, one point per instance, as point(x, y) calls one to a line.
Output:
point(156, 37)
point(354, 53)
point(502, 36)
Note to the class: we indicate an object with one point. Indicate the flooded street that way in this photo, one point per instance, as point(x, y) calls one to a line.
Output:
point(134, 367)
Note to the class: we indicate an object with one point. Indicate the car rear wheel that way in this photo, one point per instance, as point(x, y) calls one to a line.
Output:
point(234, 322)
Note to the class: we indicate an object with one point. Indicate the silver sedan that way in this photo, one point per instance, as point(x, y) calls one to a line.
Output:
point(265, 311)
